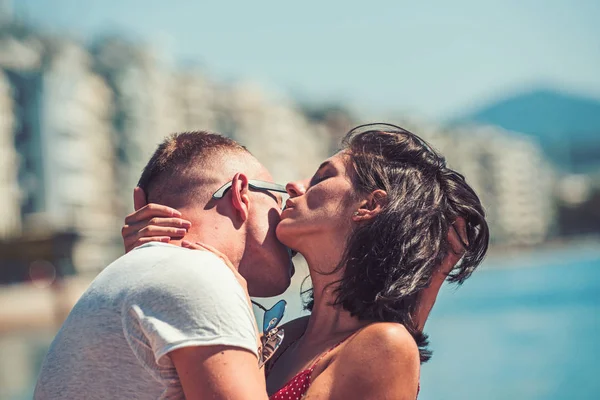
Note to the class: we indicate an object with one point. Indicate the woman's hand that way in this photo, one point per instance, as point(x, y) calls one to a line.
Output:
point(457, 238)
point(151, 223)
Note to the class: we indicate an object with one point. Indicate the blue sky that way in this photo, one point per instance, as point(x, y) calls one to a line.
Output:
point(432, 59)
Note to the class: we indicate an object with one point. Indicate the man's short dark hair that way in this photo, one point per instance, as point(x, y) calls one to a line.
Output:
point(171, 172)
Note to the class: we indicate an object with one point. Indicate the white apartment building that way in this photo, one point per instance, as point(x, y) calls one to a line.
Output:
point(78, 156)
point(278, 134)
point(523, 201)
point(510, 174)
point(507, 170)
point(61, 130)
point(10, 201)
point(195, 99)
point(145, 109)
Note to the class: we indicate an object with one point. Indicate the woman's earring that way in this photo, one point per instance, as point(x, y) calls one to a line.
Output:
point(355, 212)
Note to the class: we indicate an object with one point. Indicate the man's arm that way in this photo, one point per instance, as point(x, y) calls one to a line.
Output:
point(227, 372)
point(188, 312)
point(219, 372)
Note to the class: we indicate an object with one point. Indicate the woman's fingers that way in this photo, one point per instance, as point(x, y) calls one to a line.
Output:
point(173, 227)
point(192, 245)
point(149, 211)
point(131, 234)
point(457, 236)
point(144, 240)
point(153, 228)
point(168, 222)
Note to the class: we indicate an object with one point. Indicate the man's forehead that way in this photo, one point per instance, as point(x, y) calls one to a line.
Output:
point(229, 163)
point(264, 174)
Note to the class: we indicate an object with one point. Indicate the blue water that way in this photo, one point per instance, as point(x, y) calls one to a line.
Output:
point(524, 329)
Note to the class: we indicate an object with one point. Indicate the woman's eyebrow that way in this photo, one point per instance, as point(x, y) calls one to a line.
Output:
point(323, 165)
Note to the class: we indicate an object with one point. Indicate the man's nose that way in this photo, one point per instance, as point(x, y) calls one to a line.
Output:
point(297, 188)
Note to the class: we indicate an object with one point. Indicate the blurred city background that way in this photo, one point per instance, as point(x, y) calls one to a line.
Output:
point(509, 93)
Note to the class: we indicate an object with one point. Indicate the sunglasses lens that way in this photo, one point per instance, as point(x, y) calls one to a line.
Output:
point(284, 198)
point(270, 343)
point(273, 316)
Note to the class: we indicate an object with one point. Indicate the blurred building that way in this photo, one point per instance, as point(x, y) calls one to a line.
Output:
point(21, 53)
point(79, 158)
point(10, 202)
point(196, 98)
point(578, 204)
point(510, 174)
point(277, 133)
point(145, 110)
point(61, 132)
point(79, 125)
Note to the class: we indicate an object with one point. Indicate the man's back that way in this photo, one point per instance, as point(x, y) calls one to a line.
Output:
point(156, 299)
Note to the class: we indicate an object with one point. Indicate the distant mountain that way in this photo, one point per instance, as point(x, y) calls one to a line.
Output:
point(567, 126)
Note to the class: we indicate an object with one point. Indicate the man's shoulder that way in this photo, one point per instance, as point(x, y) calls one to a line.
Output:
point(166, 250)
point(168, 268)
point(167, 256)
point(162, 269)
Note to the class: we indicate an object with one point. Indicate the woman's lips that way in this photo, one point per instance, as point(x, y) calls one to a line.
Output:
point(289, 204)
point(286, 213)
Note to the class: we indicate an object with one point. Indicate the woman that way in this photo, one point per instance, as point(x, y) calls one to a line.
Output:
point(381, 225)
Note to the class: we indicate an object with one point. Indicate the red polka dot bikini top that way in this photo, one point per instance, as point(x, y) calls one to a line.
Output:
point(296, 388)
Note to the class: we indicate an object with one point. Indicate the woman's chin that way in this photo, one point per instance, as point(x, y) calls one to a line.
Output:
point(285, 234)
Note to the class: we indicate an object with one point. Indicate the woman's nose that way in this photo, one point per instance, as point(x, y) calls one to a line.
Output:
point(296, 189)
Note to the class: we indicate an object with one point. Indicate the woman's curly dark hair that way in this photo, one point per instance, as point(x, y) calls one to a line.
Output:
point(390, 259)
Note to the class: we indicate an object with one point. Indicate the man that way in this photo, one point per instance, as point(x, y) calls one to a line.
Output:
point(164, 321)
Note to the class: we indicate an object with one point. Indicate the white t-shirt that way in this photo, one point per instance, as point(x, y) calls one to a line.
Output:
point(153, 300)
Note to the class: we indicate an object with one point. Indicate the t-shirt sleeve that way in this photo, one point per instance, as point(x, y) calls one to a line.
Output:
point(191, 299)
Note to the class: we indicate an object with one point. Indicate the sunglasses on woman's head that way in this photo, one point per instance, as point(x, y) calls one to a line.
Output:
point(389, 128)
point(272, 336)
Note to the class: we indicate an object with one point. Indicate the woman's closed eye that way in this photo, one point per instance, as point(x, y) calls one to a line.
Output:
point(317, 179)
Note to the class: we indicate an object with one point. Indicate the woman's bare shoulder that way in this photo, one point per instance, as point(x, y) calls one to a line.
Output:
point(387, 333)
point(385, 344)
point(380, 359)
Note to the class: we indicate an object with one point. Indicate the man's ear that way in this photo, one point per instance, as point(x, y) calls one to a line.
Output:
point(240, 196)
point(371, 206)
point(139, 198)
